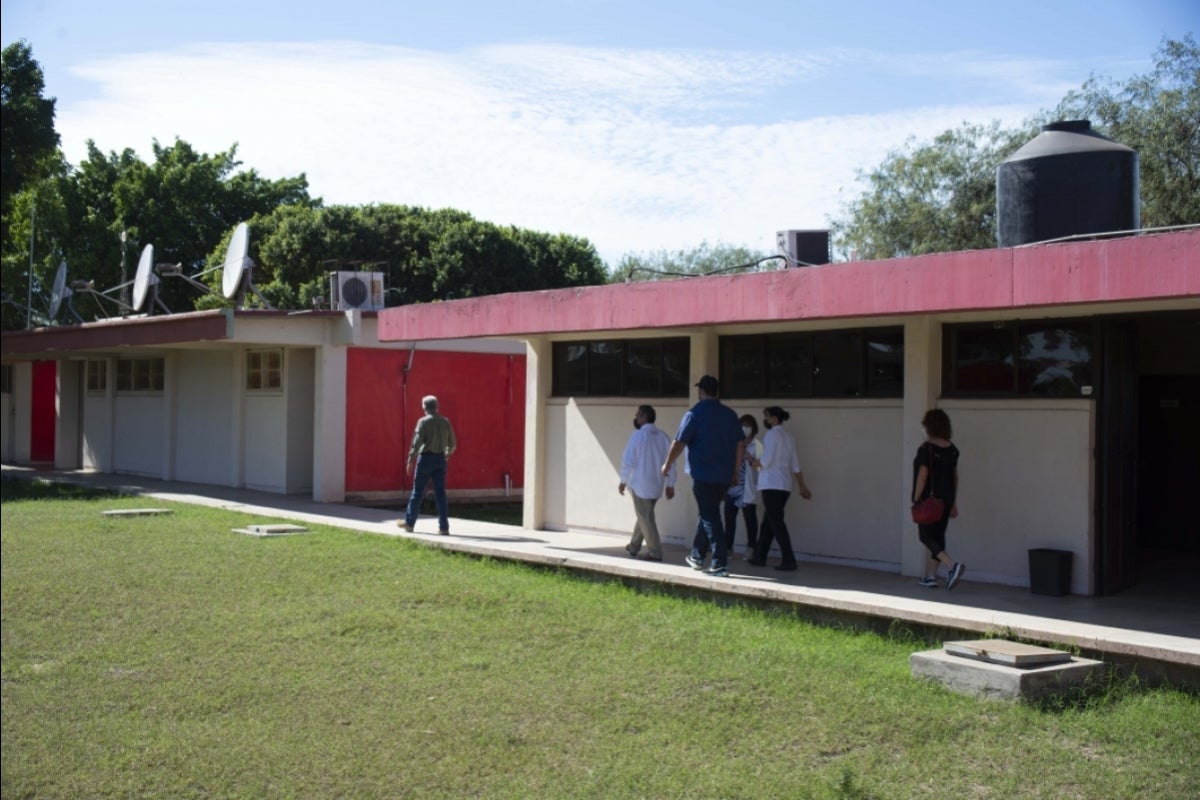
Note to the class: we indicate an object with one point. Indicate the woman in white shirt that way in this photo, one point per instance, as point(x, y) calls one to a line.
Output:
point(778, 467)
point(744, 495)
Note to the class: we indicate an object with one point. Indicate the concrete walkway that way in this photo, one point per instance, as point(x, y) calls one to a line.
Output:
point(1158, 634)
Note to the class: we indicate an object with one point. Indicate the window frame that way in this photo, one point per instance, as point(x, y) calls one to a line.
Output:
point(260, 376)
point(806, 381)
point(96, 376)
point(144, 375)
point(1012, 332)
point(613, 373)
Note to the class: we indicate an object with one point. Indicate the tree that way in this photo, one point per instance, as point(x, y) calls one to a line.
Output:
point(941, 196)
point(703, 260)
point(1158, 115)
point(28, 141)
point(425, 255)
point(99, 216)
point(28, 154)
point(930, 198)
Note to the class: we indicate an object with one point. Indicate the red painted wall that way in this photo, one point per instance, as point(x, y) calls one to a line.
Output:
point(482, 394)
point(43, 412)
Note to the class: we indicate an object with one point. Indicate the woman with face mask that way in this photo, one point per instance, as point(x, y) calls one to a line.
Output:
point(778, 468)
point(744, 494)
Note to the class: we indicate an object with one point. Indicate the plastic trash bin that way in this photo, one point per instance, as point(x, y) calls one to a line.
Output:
point(1050, 571)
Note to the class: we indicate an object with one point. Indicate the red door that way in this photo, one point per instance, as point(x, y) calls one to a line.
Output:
point(42, 412)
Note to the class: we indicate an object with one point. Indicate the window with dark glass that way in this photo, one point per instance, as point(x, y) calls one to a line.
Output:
point(622, 368)
point(885, 362)
point(838, 364)
point(855, 362)
point(140, 374)
point(1038, 359)
point(97, 376)
point(264, 370)
point(788, 365)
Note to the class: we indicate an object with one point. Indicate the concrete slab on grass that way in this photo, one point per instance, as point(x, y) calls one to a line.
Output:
point(1002, 681)
point(136, 512)
point(1002, 651)
point(278, 529)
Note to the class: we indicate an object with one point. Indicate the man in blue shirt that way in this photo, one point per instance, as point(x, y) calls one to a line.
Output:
point(713, 437)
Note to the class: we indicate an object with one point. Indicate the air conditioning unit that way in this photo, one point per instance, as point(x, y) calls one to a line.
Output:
point(356, 290)
point(803, 248)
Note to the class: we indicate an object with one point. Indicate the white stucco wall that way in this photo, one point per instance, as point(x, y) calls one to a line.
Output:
point(1025, 481)
point(852, 515)
point(20, 414)
point(6, 426)
point(266, 442)
point(98, 412)
point(206, 409)
point(299, 377)
point(1026, 478)
point(138, 430)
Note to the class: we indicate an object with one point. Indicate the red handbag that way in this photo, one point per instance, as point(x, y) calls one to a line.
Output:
point(931, 509)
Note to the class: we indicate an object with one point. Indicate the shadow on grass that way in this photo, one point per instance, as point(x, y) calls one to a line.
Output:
point(15, 489)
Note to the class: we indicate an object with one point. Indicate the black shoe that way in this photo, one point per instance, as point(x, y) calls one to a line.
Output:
point(754, 562)
point(786, 568)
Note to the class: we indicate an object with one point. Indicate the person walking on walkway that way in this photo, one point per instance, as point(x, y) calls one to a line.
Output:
point(712, 435)
point(935, 472)
point(645, 451)
point(744, 495)
point(433, 442)
point(779, 467)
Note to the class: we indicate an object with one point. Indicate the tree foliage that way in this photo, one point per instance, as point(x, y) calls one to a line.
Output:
point(100, 215)
point(28, 141)
point(425, 255)
point(941, 195)
point(1158, 115)
point(930, 198)
point(703, 260)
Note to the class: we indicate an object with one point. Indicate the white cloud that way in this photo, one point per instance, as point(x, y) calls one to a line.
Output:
point(614, 145)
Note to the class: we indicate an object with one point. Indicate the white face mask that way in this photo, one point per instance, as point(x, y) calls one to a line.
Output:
point(745, 432)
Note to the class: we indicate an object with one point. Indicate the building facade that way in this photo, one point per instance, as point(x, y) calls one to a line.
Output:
point(1071, 372)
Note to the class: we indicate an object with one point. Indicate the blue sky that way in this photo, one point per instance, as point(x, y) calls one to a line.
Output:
point(639, 125)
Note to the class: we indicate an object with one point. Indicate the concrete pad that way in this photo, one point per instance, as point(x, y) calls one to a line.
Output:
point(136, 512)
point(1001, 681)
point(275, 529)
point(1002, 651)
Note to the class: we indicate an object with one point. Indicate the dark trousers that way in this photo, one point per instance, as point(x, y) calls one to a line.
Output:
point(709, 530)
point(749, 514)
point(774, 527)
point(430, 467)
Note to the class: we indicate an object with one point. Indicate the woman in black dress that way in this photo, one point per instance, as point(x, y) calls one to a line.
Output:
point(935, 471)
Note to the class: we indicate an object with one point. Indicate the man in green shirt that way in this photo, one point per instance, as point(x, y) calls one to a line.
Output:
point(433, 441)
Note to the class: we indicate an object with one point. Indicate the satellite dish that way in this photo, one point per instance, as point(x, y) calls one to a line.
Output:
point(144, 279)
point(235, 261)
point(59, 291)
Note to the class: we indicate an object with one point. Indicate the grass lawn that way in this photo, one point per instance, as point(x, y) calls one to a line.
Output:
point(166, 657)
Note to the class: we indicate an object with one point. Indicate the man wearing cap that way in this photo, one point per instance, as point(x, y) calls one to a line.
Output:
point(713, 437)
point(433, 442)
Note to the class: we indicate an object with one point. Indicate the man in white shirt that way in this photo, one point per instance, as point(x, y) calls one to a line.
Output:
point(645, 452)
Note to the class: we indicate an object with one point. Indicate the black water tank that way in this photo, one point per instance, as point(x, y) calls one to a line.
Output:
point(1066, 181)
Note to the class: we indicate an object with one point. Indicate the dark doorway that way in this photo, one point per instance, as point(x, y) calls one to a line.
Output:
point(1148, 456)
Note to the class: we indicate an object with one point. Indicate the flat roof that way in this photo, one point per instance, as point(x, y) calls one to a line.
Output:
point(1148, 267)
